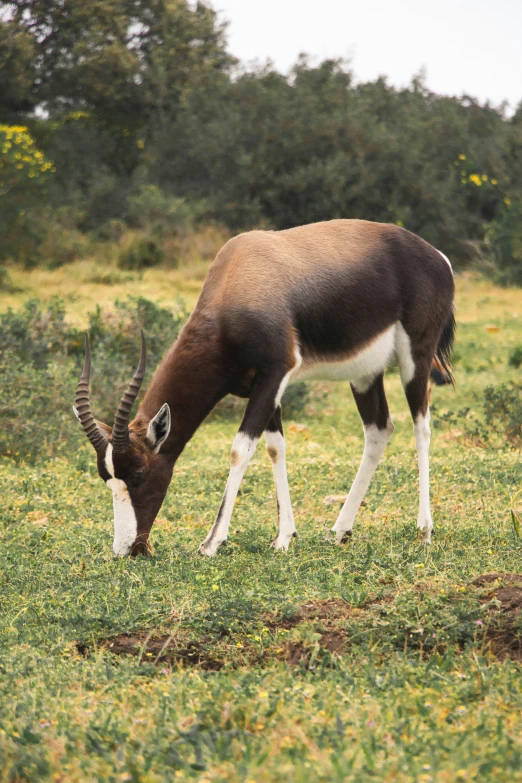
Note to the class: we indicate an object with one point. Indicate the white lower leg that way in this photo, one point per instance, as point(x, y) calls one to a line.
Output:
point(242, 450)
point(275, 444)
point(375, 441)
point(422, 432)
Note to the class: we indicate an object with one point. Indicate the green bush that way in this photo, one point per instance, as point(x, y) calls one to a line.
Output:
point(515, 357)
point(35, 409)
point(62, 246)
point(152, 209)
point(5, 280)
point(503, 243)
point(495, 417)
point(37, 334)
point(503, 411)
point(41, 357)
point(142, 253)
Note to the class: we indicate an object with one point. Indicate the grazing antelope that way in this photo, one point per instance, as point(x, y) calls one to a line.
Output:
point(336, 300)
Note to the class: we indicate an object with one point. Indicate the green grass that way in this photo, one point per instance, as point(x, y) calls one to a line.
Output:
point(415, 692)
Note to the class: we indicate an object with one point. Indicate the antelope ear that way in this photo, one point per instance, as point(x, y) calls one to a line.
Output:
point(159, 428)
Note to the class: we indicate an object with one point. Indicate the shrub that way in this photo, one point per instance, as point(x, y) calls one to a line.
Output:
point(499, 421)
point(515, 357)
point(24, 172)
point(503, 244)
point(37, 333)
point(5, 280)
point(35, 412)
point(153, 210)
point(61, 246)
point(503, 411)
point(41, 358)
point(142, 253)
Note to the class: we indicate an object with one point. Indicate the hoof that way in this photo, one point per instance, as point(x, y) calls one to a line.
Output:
point(426, 528)
point(283, 543)
point(338, 536)
point(210, 548)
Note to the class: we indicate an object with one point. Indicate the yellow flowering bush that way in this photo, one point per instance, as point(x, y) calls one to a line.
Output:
point(24, 172)
point(20, 159)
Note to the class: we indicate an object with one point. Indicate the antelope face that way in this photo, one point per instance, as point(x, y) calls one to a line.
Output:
point(139, 479)
point(130, 463)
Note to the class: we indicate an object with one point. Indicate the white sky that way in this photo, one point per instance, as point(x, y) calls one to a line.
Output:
point(465, 46)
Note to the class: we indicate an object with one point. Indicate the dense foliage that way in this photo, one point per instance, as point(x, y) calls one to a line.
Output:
point(40, 360)
point(145, 108)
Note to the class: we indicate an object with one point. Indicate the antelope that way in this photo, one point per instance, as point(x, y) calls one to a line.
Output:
point(340, 299)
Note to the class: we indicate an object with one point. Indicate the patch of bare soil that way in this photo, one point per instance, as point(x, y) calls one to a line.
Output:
point(326, 617)
point(504, 632)
point(322, 611)
point(161, 649)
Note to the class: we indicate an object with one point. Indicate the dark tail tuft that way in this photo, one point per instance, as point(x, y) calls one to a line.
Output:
point(445, 347)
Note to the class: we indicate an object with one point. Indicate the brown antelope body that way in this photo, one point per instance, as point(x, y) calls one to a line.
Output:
point(340, 299)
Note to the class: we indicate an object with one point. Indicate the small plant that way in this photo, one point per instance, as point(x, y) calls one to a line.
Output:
point(515, 357)
point(503, 410)
point(503, 244)
point(5, 280)
point(142, 253)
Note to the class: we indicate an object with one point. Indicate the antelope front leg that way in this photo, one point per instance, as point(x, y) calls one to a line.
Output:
point(260, 409)
point(242, 450)
point(275, 445)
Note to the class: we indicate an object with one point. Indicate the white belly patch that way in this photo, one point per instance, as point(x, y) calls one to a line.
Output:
point(360, 369)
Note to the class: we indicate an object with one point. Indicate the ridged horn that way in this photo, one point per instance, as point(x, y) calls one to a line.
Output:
point(120, 430)
point(83, 408)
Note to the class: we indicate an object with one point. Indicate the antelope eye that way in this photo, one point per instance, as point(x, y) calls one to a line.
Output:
point(137, 477)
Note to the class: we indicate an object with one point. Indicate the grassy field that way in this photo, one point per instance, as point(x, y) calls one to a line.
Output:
point(379, 660)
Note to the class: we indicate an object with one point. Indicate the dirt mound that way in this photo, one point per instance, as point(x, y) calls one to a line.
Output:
point(323, 611)
point(504, 632)
point(327, 622)
point(159, 649)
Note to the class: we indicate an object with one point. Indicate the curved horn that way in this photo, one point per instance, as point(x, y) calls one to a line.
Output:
point(83, 408)
point(120, 430)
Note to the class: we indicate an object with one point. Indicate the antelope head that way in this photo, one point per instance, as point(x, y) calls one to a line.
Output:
point(129, 459)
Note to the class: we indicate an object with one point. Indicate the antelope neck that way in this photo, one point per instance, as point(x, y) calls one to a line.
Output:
point(189, 382)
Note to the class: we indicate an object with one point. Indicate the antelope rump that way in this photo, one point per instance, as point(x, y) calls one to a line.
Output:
point(340, 299)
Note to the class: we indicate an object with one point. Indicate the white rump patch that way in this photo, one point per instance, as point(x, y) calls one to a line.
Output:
point(125, 522)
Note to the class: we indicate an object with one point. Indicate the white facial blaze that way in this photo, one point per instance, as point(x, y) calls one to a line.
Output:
point(125, 522)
